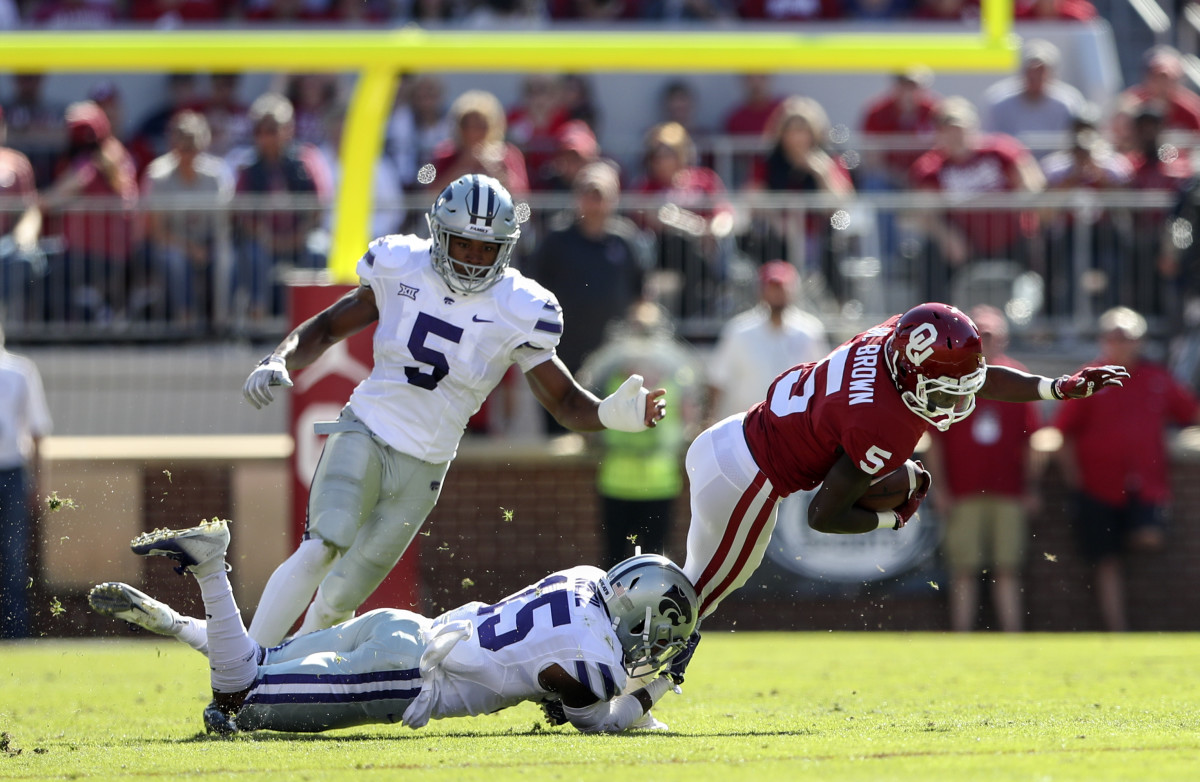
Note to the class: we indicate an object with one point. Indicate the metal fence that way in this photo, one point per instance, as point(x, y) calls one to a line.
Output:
point(175, 270)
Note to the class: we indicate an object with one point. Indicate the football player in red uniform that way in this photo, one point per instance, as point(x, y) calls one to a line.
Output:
point(838, 423)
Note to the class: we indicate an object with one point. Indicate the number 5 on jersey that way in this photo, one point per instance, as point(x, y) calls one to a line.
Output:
point(425, 326)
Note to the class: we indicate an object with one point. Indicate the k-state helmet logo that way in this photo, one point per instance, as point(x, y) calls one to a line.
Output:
point(920, 343)
point(675, 607)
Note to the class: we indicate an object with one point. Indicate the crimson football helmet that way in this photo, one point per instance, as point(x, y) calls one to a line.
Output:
point(936, 360)
point(473, 206)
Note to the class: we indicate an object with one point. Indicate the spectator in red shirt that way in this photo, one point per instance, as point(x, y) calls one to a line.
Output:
point(20, 224)
point(576, 149)
point(1054, 11)
point(898, 121)
point(95, 281)
point(173, 13)
point(1114, 457)
point(477, 145)
point(1162, 90)
point(534, 122)
point(749, 118)
point(984, 493)
point(965, 162)
point(692, 224)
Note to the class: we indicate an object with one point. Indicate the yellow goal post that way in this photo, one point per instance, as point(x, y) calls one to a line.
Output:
point(377, 56)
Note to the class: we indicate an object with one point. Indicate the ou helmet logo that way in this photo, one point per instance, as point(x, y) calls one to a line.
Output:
point(920, 343)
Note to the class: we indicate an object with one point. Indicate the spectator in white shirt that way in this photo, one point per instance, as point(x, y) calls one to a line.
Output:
point(758, 344)
point(24, 420)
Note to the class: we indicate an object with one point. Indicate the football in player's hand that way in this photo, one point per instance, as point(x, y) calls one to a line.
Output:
point(890, 491)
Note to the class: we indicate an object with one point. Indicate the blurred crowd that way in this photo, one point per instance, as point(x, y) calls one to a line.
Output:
point(98, 14)
point(191, 215)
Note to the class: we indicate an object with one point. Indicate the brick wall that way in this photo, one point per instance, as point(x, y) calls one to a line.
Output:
point(475, 551)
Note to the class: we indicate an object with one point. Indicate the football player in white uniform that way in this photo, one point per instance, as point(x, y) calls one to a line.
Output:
point(593, 645)
point(453, 316)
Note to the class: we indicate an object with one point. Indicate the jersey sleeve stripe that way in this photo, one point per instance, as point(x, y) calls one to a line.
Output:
point(548, 326)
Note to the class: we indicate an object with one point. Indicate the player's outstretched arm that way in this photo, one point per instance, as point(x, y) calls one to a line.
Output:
point(631, 408)
point(348, 315)
point(1006, 384)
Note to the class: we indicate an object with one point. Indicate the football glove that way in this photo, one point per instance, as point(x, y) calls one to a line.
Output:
point(679, 663)
point(1088, 381)
point(555, 714)
point(906, 511)
point(625, 408)
point(271, 371)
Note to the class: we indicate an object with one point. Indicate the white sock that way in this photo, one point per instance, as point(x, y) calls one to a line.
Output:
point(232, 656)
point(289, 591)
point(320, 615)
point(193, 632)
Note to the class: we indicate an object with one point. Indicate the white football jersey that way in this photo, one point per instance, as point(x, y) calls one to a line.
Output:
point(438, 354)
point(559, 620)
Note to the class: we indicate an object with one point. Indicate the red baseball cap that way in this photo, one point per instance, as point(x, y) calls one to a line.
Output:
point(781, 272)
point(576, 136)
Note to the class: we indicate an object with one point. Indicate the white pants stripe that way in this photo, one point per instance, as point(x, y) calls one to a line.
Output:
point(733, 513)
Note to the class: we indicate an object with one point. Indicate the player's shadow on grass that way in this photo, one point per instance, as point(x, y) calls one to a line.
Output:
point(408, 735)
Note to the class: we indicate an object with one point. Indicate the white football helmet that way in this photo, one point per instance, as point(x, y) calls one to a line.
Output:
point(473, 206)
point(654, 610)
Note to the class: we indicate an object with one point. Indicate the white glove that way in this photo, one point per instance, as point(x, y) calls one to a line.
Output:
point(625, 408)
point(271, 371)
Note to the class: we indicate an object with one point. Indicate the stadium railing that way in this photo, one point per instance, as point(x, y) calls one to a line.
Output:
point(216, 272)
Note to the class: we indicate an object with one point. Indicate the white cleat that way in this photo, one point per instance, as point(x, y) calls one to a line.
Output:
point(649, 722)
point(190, 547)
point(121, 601)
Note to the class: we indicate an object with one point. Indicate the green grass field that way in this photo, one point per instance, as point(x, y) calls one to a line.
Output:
point(761, 706)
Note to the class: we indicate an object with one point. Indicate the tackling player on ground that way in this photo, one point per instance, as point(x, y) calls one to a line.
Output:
point(453, 316)
point(839, 423)
point(589, 644)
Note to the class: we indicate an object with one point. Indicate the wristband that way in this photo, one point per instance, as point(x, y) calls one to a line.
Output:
point(887, 519)
point(1046, 388)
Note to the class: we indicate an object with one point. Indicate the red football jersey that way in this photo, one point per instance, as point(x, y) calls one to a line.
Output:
point(844, 402)
point(1118, 434)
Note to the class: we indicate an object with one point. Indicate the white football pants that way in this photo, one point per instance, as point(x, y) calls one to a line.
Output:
point(733, 512)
